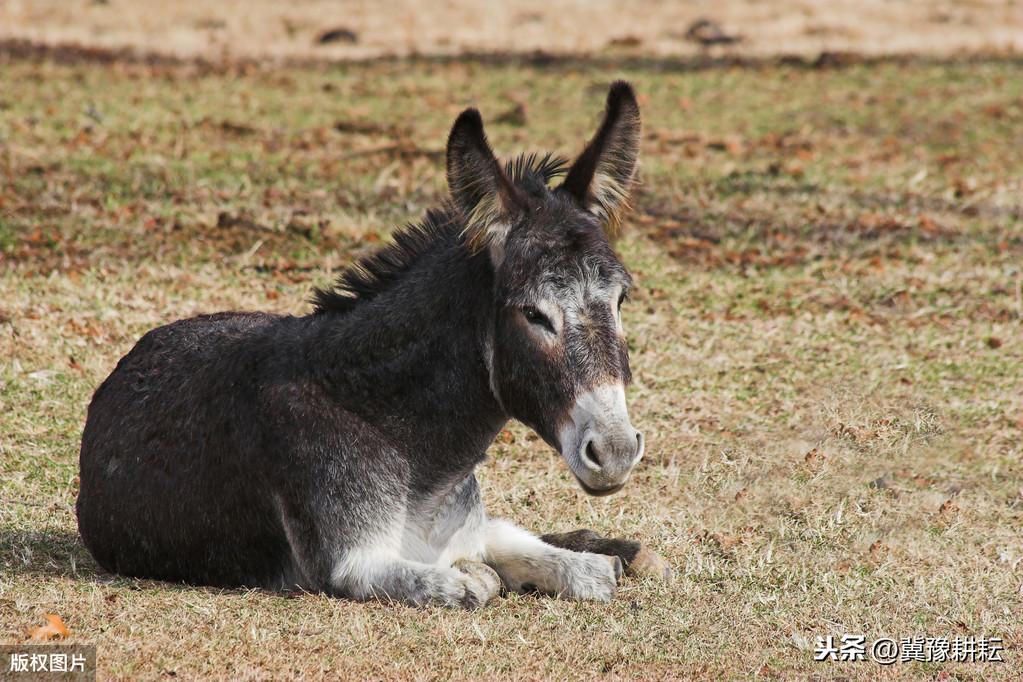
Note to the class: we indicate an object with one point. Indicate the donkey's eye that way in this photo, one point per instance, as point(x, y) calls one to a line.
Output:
point(536, 317)
point(621, 299)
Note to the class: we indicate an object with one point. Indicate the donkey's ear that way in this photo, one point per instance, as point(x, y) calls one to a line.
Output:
point(600, 179)
point(481, 189)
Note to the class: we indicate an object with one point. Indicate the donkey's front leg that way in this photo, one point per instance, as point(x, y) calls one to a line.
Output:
point(526, 563)
point(638, 559)
point(466, 584)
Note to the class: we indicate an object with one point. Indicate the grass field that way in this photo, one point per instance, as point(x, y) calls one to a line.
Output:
point(827, 341)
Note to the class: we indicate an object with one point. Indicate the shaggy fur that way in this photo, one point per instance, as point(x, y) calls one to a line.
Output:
point(336, 452)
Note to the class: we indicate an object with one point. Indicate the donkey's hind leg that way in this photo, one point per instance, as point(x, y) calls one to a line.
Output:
point(638, 559)
point(526, 564)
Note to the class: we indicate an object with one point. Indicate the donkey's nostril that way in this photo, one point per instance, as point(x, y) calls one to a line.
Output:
point(639, 445)
point(591, 453)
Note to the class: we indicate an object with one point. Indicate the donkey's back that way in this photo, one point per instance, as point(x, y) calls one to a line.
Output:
point(179, 419)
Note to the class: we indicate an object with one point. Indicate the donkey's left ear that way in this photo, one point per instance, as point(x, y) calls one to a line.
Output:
point(600, 179)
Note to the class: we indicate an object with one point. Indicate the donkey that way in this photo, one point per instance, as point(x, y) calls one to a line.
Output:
point(335, 452)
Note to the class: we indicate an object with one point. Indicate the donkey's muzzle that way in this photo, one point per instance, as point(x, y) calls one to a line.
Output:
point(599, 442)
point(610, 457)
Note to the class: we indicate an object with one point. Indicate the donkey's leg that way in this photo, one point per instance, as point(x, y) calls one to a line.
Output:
point(639, 560)
point(526, 563)
point(376, 570)
point(466, 584)
point(457, 577)
point(368, 564)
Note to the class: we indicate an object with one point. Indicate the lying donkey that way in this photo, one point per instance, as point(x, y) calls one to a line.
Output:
point(335, 452)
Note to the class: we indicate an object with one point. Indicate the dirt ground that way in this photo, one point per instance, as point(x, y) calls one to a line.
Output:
point(372, 28)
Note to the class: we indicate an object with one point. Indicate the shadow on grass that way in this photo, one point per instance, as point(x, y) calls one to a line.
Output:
point(62, 554)
point(74, 53)
point(867, 224)
point(50, 553)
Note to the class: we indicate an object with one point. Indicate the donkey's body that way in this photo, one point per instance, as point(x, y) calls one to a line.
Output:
point(228, 444)
point(335, 452)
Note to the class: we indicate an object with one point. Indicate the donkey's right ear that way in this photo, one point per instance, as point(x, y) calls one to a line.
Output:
point(481, 189)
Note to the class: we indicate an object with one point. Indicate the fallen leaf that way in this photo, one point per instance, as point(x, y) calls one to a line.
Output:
point(994, 342)
point(725, 542)
point(814, 455)
point(54, 629)
point(994, 110)
point(927, 224)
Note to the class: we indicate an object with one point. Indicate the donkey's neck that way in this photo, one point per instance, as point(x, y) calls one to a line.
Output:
point(411, 360)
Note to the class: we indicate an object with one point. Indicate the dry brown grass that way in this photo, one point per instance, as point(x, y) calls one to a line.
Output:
point(263, 28)
point(826, 341)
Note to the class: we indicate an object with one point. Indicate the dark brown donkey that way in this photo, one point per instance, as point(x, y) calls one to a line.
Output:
point(335, 452)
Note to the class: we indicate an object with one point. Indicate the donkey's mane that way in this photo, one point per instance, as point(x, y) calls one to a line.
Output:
point(370, 275)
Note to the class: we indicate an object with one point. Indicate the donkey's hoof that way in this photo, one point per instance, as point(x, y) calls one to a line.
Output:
point(616, 564)
point(649, 564)
point(484, 585)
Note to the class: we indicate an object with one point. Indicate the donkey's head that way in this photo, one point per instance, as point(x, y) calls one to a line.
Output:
point(558, 359)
